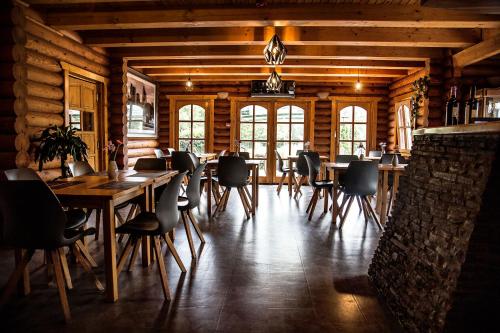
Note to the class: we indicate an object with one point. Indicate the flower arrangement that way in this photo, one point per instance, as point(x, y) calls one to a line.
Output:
point(112, 149)
point(420, 92)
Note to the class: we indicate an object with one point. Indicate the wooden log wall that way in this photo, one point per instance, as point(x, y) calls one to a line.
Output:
point(117, 110)
point(32, 83)
point(322, 126)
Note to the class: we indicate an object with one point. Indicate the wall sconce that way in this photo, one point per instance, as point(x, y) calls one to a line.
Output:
point(222, 95)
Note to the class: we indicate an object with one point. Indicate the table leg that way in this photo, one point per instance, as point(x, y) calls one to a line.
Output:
point(146, 245)
point(335, 196)
point(108, 221)
point(290, 175)
point(255, 178)
point(24, 286)
point(385, 188)
point(257, 187)
point(209, 192)
point(378, 203)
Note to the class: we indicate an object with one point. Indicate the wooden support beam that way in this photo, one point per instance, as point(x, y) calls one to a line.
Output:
point(478, 52)
point(351, 15)
point(402, 37)
point(289, 63)
point(294, 52)
point(246, 78)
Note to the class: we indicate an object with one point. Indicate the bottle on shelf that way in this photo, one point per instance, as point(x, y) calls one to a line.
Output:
point(472, 107)
point(452, 108)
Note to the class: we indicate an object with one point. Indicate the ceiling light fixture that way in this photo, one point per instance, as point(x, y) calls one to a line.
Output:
point(358, 85)
point(274, 82)
point(189, 84)
point(275, 51)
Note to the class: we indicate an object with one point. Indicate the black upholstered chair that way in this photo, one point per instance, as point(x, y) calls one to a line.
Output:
point(156, 226)
point(81, 168)
point(361, 180)
point(33, 219)
point(233, 173)
point(189, 202)
point(170, 151)
point(375, 153)
point(313, 164)
point(346, 158)
point(151, 164)
point(284, 172)
point(303, 169)
point(182, 162)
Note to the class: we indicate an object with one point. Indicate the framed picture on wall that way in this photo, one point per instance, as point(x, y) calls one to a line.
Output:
point(142, 114)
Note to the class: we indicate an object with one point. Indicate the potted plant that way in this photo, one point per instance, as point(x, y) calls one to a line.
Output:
point(60, 142)
point(112, 149)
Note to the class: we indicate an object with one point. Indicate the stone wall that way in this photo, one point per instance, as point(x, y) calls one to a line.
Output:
point(438, 260)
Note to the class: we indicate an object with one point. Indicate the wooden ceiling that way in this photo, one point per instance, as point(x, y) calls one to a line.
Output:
point(378, 41)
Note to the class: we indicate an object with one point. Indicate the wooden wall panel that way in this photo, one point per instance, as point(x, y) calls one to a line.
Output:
point(117, 96)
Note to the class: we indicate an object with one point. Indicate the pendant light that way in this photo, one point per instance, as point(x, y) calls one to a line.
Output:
point(274, 82)
point(275, 51)
point(189, 84)
point(358, 85)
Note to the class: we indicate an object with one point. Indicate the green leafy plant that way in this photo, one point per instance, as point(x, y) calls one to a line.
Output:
point(60, 142)
point(420, 89)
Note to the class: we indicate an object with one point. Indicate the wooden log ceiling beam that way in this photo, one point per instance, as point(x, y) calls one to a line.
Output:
point(402, 37)
point(157, 72)
point(283, 15)
point(294, 52)
point(245, 78)
point(478, 52)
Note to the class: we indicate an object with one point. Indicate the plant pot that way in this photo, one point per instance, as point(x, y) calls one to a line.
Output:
point(112, 170)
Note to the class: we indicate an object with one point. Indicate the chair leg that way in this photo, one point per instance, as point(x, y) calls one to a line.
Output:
point(342, 205)
point(280, 184)
point(125, 254)
point(243, 201)
point(16, 276)
point(248, 192)
point(365, 209)
point(310, 202)
point(161, 268)
point(188, 234)
point(196, 226)
point(351, 199)
point(63, 298)
point(299, 185)
point(314, 200)
point(85, 253)
point(87, 268)
point(65, 269)
point(325, 203)
point(221, 202)
point(227, 199)
point(360, 206)
point(172, 250)
point(135, 252)
point(247, 199)
point(374, 215)
point(389, 203)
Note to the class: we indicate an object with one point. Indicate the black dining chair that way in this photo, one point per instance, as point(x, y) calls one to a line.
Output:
point(313, 165)
point(43, 226)
point(159, 153)
point(170, 151)
point(346, 158)
point(361, 180)
point(284, 172)
point(150, 164)
point(80, 168)
point(233, 173)
point(375, 153)
point(303, 170)
point(182, 162)
point(156, 226)
point(189, 202)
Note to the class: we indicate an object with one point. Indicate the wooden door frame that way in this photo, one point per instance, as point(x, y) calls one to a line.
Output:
point(371, 139)
point(174, 118)
point(102, 84)
point(272, 102)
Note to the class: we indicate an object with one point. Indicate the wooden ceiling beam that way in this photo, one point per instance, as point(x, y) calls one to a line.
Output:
point(347, 15)
point(183, 78)
point(294, 52)
point(282, 71)
point(289, 63)
point(478, 52)
point(402, 37)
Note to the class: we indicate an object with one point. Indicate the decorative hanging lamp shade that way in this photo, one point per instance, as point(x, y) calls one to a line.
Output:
point(275, 51)
point(189, 85)
point(274, 82)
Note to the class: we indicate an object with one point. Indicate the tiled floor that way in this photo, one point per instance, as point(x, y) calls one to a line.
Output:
point(276, 272)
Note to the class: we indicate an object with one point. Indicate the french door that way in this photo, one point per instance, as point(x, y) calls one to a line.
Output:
point(261, 127)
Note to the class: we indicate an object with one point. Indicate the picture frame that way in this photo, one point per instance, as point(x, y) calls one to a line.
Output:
point(142, 106)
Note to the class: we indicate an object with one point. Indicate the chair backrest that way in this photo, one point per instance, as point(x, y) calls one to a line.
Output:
point(195, 159)
point(387, 159)
point(149, 163)
point(280, 165)
point(166, 208)
point(244, 154)
point(232, 171)
point(32, 216)
point(159, 153)
point(21, 174)
point(170, 151)
point(81, 168)
point(346, 158)
point(361, 178)
point(182, 161)
point(313, 165)
point(222, 153)
point(298, 152)
point(302, 168)
point(193, 192)
point(375, 153)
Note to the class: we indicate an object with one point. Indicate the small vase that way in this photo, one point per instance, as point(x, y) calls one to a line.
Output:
point(112, 170)
point(395, 161)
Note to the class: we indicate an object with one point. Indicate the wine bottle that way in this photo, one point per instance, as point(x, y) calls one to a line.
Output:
point(472, 109)
point(452, 108)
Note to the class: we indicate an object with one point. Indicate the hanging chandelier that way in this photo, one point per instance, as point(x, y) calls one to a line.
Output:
point(275, 51)
point(189, 85)
point(274, 82)
point(358, 85)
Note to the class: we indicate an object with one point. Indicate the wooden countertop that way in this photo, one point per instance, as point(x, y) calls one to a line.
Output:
point(492, 127)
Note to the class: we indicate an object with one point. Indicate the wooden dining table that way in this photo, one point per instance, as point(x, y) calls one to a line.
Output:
point(253, 166)
point(294, 159)
point(382, 200)
point(98, 191)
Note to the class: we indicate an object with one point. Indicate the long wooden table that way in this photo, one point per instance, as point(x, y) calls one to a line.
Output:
point(384, 170)
point(291, 161)
point(100, 192)
point(253, 165)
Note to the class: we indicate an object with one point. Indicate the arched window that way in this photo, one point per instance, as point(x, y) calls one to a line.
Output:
point(289, 129)
point(404, 127)
point(353, 129)
point(192, 128)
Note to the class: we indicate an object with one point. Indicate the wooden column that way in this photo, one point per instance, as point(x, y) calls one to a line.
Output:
point(118, 108)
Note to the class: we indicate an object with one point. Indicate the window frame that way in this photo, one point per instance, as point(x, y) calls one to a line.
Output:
point(402, 144)
point(191, 123)
point(353, 141)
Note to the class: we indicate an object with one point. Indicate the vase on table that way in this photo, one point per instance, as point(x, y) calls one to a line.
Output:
point(112, 170)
